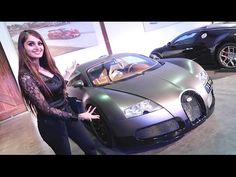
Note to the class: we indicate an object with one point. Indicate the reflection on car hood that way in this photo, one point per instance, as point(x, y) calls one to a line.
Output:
point(165, 82)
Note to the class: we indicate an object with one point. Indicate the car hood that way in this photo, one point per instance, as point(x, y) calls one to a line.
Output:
point(160, 85)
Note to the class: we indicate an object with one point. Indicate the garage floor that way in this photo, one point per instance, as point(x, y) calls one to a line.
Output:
point(217, 135)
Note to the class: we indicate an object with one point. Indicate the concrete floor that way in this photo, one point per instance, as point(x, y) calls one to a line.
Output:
point(217, 135)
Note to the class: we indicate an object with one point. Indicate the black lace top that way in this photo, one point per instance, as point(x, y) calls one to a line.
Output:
point(53, 106)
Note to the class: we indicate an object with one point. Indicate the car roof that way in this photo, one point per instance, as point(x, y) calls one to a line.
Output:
point(214, 26)
point(221, 25)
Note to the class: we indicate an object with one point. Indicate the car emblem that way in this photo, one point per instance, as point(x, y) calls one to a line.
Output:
point(189, 99)
point(204, 35)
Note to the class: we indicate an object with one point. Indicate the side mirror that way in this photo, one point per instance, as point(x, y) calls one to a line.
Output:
point(154, 56)
point(78, 83)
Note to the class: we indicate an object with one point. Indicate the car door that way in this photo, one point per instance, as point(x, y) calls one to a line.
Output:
point(184, 45)
point(201, 50)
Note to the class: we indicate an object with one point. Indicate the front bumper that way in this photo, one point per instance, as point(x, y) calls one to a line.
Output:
point(165, 131)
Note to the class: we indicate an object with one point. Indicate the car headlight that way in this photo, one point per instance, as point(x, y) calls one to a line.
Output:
point(141, 107)
point(203, 77)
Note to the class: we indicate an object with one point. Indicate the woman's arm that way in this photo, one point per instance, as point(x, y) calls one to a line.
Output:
point(31, 90)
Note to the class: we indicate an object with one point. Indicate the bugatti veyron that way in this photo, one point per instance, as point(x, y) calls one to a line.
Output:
point(141, 100)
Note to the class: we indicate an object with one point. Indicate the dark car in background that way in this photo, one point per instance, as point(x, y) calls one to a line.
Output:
point(142, 101)
point(210, 46)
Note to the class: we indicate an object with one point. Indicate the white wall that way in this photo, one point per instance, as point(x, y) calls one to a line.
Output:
point(123, 37)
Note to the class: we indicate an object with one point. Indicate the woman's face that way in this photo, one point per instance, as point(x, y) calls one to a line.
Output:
point(34, 47)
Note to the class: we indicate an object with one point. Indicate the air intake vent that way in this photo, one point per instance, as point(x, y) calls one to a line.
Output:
point(193, 106)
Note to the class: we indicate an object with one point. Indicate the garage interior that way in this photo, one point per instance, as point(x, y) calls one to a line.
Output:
point(215, 136)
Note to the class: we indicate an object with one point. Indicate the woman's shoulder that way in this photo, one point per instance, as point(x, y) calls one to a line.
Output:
point(25, 74)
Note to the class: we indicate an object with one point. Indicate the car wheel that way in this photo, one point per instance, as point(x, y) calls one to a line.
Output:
point(155, 56)
point(226, 55)
point(99, 128)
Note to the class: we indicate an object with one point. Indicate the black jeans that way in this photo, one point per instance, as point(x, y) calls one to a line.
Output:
point(55, 132)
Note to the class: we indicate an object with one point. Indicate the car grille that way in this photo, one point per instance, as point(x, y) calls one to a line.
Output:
point(158, 129)
point(193, 106)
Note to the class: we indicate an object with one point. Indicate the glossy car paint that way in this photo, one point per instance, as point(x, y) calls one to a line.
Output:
point(203, 45)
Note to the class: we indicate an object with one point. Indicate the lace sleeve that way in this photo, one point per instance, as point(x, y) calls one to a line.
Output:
point(31, 90)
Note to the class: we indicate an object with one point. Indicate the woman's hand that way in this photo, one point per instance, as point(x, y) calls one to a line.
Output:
point(70, 70)
point(88, 114)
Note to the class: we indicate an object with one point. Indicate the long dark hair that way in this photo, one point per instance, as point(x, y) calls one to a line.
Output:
point(25, 63)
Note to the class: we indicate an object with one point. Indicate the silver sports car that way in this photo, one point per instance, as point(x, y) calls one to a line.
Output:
point(140, 100)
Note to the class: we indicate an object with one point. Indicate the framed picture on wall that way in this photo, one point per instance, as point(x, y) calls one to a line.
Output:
point(150, 26)
point(61, 37)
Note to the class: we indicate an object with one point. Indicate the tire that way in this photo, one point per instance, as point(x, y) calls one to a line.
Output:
point(99, 128)
point(226, 55)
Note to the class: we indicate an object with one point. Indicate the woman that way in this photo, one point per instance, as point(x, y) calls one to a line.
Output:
point(43, 88)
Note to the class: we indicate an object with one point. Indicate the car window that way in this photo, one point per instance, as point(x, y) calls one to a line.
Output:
point(118, 69)
point(129, 66)
point(185, 39)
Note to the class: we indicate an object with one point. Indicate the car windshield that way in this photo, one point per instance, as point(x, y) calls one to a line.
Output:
point(118, 69)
